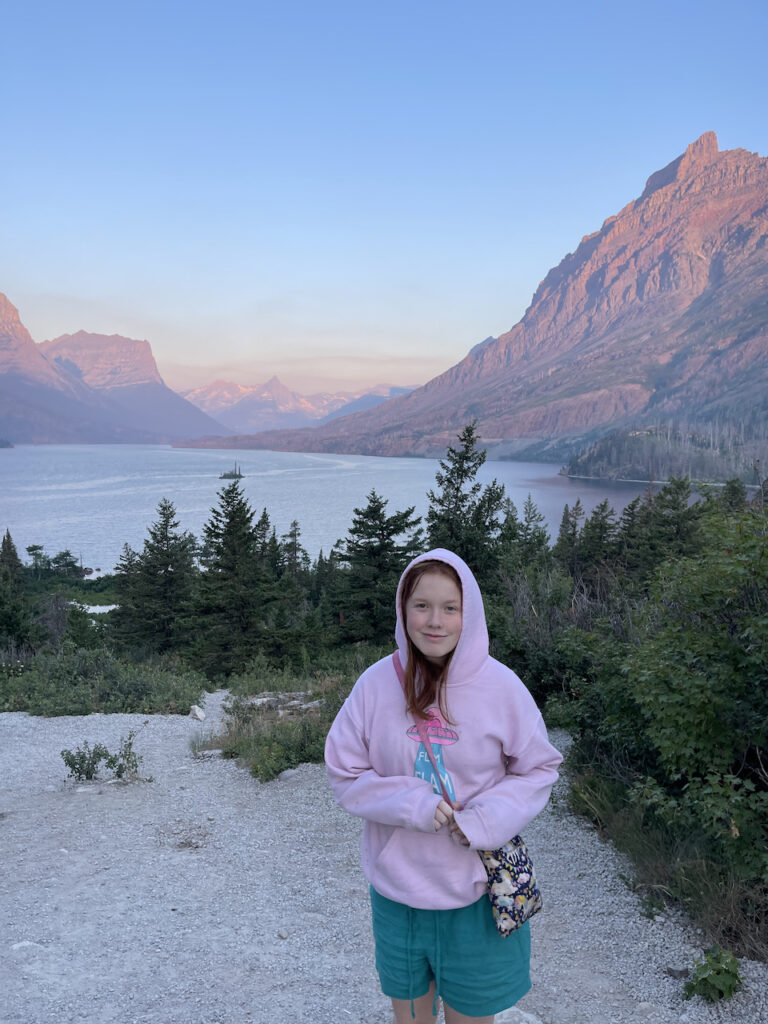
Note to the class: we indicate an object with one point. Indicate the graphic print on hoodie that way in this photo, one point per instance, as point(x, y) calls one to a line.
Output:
point(439, 734)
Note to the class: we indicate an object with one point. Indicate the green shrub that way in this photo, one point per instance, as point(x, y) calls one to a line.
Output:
point(268, 742)
point(715, 977)
point(84, 762)
point(74, 681)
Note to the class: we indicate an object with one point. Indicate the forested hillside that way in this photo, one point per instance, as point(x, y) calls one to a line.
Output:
point(713, 452)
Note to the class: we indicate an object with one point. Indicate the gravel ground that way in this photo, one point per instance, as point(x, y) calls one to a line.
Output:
point(203, 897)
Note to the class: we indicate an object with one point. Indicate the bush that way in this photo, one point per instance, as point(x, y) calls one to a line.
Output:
point(715, 977)
point(269, 742)
point(84, 762)
point(670, 708)
point(73, 681)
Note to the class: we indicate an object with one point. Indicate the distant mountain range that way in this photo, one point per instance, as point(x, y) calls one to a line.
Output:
point(105, 388)
point(661, 314)
point(87, 388)
point(272, 405)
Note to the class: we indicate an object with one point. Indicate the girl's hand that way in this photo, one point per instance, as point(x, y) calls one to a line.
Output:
point(457, 835)
point(443, 815)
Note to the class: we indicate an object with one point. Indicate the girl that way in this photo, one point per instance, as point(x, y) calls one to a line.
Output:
point(432, 921)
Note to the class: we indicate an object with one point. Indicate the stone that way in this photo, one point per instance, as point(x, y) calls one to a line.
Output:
point(514, 1015)
point(678, 972)
point(197, 713)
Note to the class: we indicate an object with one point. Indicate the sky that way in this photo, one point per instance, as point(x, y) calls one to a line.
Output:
point(340, 193)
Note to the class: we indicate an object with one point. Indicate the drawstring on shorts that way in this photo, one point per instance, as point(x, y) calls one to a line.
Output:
point(437, 962)
point(408, 952)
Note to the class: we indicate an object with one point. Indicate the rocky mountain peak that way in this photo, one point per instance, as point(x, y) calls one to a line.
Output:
point(104, 361)
point(10, 322)
point(698, 155)
point(19, 354)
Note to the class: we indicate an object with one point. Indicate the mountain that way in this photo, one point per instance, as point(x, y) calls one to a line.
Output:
point(368, 400)
point(662, 313)
point(103, 361)
point(87, 388)
point(273, 406)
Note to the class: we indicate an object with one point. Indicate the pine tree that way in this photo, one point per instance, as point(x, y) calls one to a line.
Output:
point(157, 586)
point(597, 545)
point(40, 561)
point(15, 618)
point(567, 547)
point(375, 551)
point(463, 516)
point(11, 566)
point(534, 538)
point(234, 587)
point(295, 559)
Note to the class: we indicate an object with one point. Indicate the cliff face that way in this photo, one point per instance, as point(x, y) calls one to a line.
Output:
point(103, 361)
point(662, 312)
point(88, 388)
point(20, 356)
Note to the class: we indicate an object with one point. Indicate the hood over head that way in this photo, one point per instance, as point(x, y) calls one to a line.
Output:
point(471, 651)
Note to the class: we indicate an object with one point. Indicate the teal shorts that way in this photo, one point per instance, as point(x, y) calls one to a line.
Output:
point(476, 971)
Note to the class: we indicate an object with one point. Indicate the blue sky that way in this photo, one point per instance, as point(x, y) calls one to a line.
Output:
point(339, 192)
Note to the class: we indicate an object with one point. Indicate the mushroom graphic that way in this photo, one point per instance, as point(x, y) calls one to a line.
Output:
point(439, 734)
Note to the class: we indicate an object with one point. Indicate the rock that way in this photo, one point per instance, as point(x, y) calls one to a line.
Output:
point(197, 713)
point(678, 972)
point(516, 1016)
point(287, 774)
point(282, 933)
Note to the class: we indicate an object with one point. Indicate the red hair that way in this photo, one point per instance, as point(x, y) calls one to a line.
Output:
point(424, 681)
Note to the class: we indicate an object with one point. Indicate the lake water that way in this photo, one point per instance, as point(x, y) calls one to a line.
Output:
point(93, 498)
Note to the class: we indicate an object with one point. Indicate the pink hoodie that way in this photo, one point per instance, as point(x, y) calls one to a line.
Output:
point(494, 752)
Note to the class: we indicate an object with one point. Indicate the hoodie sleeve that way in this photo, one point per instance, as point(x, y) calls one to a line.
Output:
point(502, 811)
point(401, 800)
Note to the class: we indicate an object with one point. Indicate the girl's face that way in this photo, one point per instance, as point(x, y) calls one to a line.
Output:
point(433, 616)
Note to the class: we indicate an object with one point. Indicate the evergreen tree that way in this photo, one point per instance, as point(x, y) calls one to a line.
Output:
point(597, 544)
point(234, 588)
point(631, 541)
point(675, 520)
point(295, 559)
point(463, 516)
point(568, 544)
point(534, 538)
point(40, 561)
point(734, 495)
point(157, 586)
point(64, 563)
point(15, 619)
point(11, 565)
point(375, 551)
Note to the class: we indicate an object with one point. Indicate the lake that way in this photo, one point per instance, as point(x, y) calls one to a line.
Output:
point(94, 498)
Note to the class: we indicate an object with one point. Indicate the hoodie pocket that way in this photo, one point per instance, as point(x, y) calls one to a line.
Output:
point(427, 870)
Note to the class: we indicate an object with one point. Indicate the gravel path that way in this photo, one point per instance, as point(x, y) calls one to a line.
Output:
point(203, 897)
